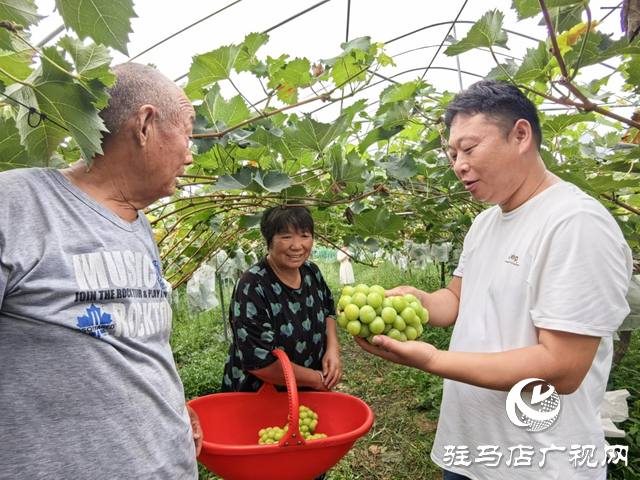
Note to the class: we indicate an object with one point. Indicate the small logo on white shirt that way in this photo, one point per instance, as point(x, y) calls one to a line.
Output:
point(513, 260)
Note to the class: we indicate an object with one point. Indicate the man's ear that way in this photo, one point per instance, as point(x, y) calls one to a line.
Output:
point(523, 134)
point(145, 122)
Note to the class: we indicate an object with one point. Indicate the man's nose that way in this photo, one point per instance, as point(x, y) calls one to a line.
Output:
point(460, 166)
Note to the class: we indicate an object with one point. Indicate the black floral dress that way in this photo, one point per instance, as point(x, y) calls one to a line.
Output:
point(266, 314)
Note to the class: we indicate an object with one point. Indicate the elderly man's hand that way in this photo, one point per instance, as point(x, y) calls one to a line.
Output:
point(414, 354)
point(198, 436)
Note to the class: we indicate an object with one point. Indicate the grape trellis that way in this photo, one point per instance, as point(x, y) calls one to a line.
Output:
point(374, 178)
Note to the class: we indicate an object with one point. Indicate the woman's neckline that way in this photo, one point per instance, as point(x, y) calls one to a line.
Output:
point(298, 287)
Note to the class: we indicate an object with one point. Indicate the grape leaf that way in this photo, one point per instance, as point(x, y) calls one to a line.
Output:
point(377, 135)
point(378, 223)
point(211, 67)
point(401, 168)
point(564, 18)
point(63, 101)
point(534, 64)
point(91, 61)
point(217, 109)
point(247, 57)
point(15, 57)
point(397, 115)
point(350, 171)
point(557, 124)
point(22, 12)
point(398, 93)
point(486, 32)
point(92, 65)
point(308, 133)
point(348, 70)
point(289, 78)
point(105, 21)
point(12, 153)
point(362, 44)
point(530, 8)
point(254, 180)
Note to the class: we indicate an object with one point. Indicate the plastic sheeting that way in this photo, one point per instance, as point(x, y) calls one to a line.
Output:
point(632, 322)
point(201, 290)
point(614, 409)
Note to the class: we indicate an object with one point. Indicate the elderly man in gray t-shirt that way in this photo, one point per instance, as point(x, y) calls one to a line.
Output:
point(88, 385)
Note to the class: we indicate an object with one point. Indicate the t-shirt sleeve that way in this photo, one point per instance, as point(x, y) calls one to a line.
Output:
point(460, 268)
point(253, 324)
point(580, 277)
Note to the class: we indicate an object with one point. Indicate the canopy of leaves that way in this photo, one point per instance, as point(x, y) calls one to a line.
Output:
point(374, 179)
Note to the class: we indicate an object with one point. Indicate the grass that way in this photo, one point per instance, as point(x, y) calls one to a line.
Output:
point(406, 402)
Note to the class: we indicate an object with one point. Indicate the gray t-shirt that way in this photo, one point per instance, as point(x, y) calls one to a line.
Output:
point(88, 385)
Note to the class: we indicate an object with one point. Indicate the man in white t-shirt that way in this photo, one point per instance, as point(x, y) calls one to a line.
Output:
point(538, 293)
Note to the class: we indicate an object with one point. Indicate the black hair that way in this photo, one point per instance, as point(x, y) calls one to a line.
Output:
point(500, 101)
point(284, 219)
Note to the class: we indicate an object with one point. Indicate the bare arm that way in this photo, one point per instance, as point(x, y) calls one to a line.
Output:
point(562, 359)
point(305, 377)
point(442, 304)
point(331, 362)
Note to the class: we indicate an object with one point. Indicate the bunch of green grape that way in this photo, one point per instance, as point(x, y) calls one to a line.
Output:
point(366, 311)
point(308, 420)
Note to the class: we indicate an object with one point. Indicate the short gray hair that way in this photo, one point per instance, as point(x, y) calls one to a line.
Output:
point(137, 85)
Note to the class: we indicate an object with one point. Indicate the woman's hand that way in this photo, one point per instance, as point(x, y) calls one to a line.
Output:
point(321, 387)
point(332, 367)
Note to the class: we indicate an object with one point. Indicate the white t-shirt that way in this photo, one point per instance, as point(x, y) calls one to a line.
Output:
point(558, 262)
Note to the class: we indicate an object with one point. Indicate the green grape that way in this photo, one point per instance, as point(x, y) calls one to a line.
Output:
point(399, 324)
point(364, 331)
point(374, 299)
point(410, 298)
point(351, 312)
point(344, 301)
point(388, 314)
point(359, 299)
point(367, 314)
point(394, 333)
point(399, 303)
point(354, 327)
point(410, 332)
point(408, 314)
point(377, 289)
point(417, 307)
point(348, 290)
point(377, 326)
